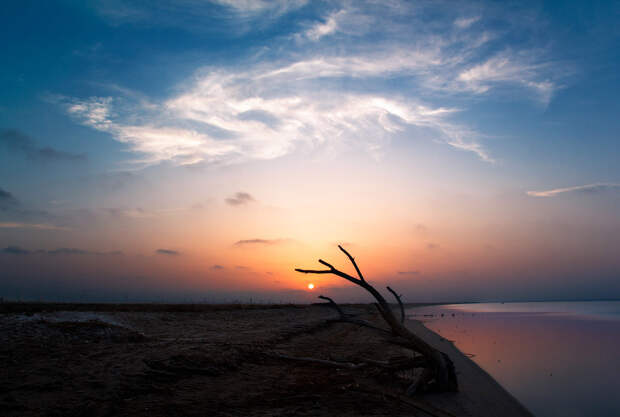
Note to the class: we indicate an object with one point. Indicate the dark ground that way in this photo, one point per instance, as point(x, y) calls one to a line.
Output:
point(199, 361)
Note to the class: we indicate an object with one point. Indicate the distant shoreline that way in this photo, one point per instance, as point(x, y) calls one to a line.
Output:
point(11, 306)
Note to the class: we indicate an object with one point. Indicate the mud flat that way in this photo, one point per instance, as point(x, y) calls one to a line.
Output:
point(73, 360)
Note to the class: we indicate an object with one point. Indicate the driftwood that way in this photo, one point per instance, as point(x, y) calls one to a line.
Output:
point(393, 364)
point(335, 364)
point(439, 371)
point(349, 319)
point(400, 303)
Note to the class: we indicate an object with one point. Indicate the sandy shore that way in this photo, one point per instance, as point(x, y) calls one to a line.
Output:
point(218, 362)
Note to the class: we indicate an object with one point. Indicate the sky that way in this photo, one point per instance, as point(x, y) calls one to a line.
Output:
point(197, 150)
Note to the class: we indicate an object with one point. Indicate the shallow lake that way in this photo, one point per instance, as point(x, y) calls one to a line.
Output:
point(557, 358)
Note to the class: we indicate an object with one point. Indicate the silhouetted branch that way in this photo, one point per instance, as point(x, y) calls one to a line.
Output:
point(333, 304)
point(335, 364)
point(441, 367)
point(311, 271)
point(347, 319)
point(395, 363)
point(359, 273)
point(400, 303)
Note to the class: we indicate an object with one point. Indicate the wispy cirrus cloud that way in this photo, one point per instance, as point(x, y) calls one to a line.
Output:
point(327, 27)
point(586, 189)
point(233, 17)
point(464, 22)
point(316, 92)
point(506, 68)
point(235, 125)
point(255, 8)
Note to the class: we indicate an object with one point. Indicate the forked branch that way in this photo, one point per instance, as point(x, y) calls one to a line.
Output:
point(441, 369)
point(359, 273)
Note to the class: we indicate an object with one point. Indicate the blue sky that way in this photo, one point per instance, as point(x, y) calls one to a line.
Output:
point(539, 73)
point(119, 111)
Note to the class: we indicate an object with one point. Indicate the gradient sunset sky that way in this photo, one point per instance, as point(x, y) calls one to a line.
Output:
point(201, 150)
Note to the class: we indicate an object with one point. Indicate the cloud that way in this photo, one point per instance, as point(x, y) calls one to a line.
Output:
point(68, 251)
point(588, 189)
point(239, 199)
point(265, 242)
point(255, 8)
point(14, 250)
point(7, 200)
point(507, 68)
point(217, 267)
point(36, 226)
point(169, 252)
point(465, 22)
point(6, 196)
point(134, 213)
point(416, 272)
point(225, 105)
point(18, 142)
point(329, 26)
point(13, 207)
point(431, 246)
point(334, 93)
point(228, 17)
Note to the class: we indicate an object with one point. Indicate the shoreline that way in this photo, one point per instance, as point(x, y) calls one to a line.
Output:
point(482, 394)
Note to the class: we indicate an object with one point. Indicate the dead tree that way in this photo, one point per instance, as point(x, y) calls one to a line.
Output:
point(439, 370)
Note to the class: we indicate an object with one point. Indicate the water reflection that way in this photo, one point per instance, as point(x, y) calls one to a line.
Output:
point(556, 358)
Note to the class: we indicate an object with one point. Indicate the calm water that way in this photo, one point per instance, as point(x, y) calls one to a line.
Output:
point(557, 358)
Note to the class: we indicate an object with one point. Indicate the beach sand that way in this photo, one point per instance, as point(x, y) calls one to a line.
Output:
point(216, 361)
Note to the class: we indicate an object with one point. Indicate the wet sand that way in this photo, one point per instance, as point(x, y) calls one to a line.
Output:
point(217, 361)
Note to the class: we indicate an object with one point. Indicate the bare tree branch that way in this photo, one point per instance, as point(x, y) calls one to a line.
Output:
point(334, 364)
point(400, 303)
point(395, 363)
point(359, 273)
point(344, 318)
point(333, 304)
point(311, 271)
point(441, 366)
point(321, 261)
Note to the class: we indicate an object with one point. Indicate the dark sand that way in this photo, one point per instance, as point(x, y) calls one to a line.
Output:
point(216, 361)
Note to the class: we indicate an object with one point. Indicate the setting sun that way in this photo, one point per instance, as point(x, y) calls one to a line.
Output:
point(311, 286)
